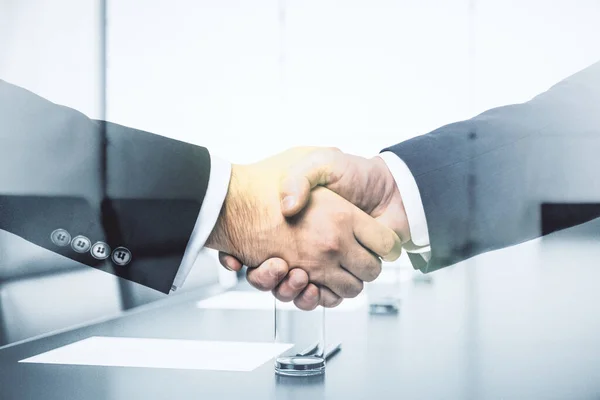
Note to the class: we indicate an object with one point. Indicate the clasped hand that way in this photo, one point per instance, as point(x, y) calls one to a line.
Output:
point(311, 224)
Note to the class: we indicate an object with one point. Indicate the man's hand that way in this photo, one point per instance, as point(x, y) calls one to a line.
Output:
point(331, 241)
point(367, 183)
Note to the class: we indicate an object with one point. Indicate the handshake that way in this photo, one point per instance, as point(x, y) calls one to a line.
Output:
point(312, 224)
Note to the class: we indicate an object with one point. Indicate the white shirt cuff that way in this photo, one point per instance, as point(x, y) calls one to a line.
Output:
point(218, 183)
point(411, 198)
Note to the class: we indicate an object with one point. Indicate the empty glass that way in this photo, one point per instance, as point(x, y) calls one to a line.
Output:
point(305, 330)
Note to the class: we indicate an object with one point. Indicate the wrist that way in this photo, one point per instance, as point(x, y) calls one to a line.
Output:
point(242, 229)
point(386, 180)
point(391, 211)
point(225, 234)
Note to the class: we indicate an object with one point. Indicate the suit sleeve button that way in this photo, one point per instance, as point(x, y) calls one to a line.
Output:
point(121, 256)
point(81, 244)
point(100, 251)
point(60, 237)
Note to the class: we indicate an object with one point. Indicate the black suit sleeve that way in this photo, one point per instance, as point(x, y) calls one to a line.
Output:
point(135, 193)
point(485, 182)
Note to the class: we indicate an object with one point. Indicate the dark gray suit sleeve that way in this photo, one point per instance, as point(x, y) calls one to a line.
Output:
point(485, 182)
point(135, 193)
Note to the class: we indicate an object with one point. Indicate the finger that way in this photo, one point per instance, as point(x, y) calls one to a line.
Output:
point(309, 298)
point(268, 274)
point(294, 192)
point(360, 262)
point(376, 237)
point(328, 298)
point(313, 170)
point(230, 262)
point(292, 285)
point(341, 282)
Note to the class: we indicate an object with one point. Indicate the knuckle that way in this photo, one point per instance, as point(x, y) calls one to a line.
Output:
point(280, 295)
point(285, 293)
point(311, 294)
point(308, 300)
point(297, 279)
point(342, 216)
point(259, 285)
point(331, 244)
point(353, 289)
point(276, 272)
point(258, 280)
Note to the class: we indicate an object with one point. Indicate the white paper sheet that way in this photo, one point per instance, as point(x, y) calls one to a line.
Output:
point(255, 300)
point(163, 353)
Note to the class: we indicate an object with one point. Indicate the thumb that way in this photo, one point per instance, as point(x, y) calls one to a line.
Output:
point(375, 236)
point(294, 194)
point(311, 171)
point(230, 262)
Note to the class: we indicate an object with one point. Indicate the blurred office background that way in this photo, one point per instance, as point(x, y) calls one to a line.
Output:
point(251, 78)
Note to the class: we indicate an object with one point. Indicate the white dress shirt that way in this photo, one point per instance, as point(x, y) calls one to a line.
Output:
point(218, 183)
point(411, 198)
point(220, 173)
